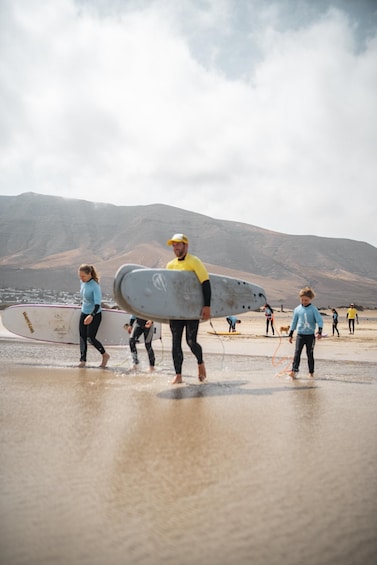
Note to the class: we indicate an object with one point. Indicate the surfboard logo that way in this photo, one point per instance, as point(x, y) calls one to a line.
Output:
point(29, 324)
point(159, 282)
point(59, 325)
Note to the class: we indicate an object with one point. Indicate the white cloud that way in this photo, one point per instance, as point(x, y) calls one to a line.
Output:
point(128, 104)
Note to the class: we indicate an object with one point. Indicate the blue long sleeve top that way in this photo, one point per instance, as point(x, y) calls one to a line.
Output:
point(91, 295)
point(305, 319)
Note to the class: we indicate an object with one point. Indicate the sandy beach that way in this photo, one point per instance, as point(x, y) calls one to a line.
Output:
point(116, 466)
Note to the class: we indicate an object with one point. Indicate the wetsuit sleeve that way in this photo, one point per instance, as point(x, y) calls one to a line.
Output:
point(97, 294)
point(97, 297)
point(206, 288)
point(293, 323)
point(319, 320)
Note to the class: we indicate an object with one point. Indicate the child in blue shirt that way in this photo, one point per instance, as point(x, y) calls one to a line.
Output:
point(232, 321)
point(305, 318)
point(335, 319)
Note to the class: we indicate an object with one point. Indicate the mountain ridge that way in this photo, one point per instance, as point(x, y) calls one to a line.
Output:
point(45, 238)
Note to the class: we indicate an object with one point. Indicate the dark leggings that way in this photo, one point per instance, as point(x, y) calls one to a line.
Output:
point(148, 335)
point(270, 321)
point(88, 333)
point(309, 342)
point(176, 328)
point(351, 325)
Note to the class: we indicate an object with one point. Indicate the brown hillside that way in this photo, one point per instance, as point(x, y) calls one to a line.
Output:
point(48, 237)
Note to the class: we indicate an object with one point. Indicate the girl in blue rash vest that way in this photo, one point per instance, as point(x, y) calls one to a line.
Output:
point(91, 316)
point(305, 318)
point(335, 319)
point(269, 313)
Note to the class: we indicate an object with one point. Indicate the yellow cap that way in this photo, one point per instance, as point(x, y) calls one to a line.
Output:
point(178, 238)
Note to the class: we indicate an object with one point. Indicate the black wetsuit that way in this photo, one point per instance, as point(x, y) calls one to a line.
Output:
point(138, 328)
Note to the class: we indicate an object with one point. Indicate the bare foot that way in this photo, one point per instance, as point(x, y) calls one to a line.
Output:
point(177, 380)
point(292, 374)
point(105, 358)
point(81, 365)
point(311, 375)
point(151, 368)
point(202, 372)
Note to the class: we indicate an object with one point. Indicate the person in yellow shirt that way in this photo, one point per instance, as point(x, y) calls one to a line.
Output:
point(185, 262)
point(351, 317)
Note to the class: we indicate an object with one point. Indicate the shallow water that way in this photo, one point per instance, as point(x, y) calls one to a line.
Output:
point(109, 466)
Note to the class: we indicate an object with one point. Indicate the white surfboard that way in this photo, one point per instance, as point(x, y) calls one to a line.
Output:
point(59, 323)
point(166, 294)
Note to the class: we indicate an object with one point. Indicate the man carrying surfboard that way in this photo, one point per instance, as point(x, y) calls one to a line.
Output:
point(184, 261)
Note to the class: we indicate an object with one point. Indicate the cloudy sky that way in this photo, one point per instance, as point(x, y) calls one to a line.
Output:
point(258, 111)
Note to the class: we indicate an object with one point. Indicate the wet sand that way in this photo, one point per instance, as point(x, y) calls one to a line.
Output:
point(114, 466)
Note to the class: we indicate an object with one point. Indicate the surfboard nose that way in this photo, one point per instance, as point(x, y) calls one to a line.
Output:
point(117, 284)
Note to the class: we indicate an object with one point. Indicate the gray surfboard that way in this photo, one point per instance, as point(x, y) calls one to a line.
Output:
point(166, 294)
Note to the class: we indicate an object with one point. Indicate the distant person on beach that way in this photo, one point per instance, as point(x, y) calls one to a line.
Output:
point(91, 315)
point(269, 313)
point(351, 317)
point(335, 319)
point(305, 318)
point(232, 321)
point(186, 262)
point(137, 327)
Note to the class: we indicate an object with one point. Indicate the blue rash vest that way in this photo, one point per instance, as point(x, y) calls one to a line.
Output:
point(91, 295)
point(305, 319)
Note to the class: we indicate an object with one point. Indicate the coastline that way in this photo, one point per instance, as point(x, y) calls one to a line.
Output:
point(252, 341)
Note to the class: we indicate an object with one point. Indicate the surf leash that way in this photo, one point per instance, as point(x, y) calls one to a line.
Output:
point(221, 341)
point(287, 361)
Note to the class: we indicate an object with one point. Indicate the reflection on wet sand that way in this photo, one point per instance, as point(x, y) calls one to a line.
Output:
point(110, 466)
